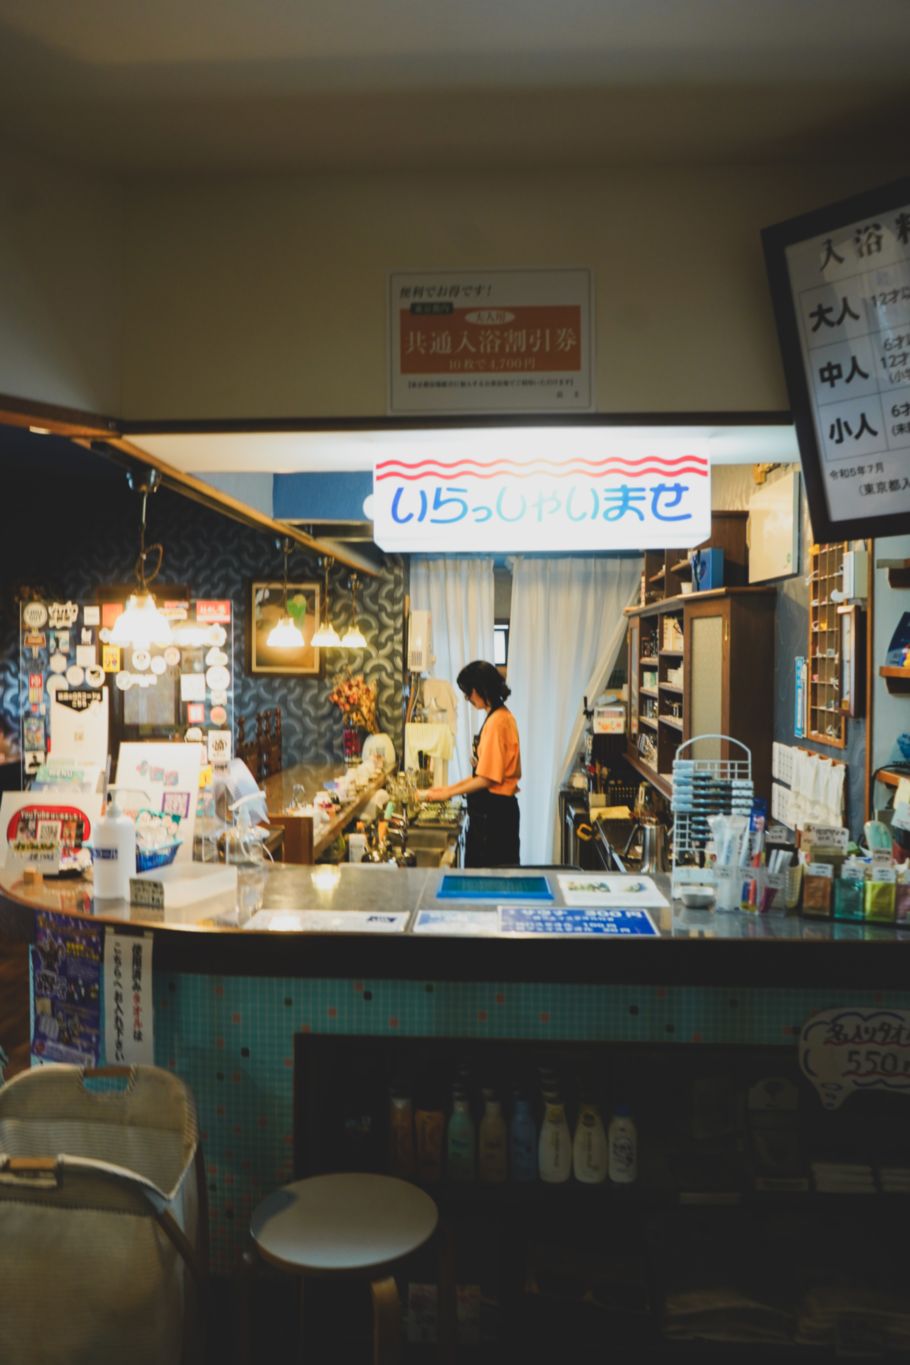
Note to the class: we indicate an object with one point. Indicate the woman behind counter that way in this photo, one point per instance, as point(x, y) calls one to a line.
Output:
point(492, 807)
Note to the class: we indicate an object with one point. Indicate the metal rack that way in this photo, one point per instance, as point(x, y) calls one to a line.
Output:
point(720, 786)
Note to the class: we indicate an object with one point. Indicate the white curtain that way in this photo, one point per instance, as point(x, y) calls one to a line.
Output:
point(458, 593)
point(567, 628)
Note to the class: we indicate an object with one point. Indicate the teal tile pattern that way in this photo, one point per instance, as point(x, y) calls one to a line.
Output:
point(231, 1040)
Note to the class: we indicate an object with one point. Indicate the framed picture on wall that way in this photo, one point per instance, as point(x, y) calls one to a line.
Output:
point(840, 284)
point(267, 609)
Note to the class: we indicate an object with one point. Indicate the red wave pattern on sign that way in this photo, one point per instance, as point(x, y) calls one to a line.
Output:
point(524, 469)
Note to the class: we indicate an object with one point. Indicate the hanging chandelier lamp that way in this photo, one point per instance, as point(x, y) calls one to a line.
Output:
point(141, 624)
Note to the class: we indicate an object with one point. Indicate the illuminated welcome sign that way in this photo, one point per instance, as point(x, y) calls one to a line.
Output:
point(453, 504)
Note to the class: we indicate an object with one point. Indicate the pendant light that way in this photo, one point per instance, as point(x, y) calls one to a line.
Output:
point(327, 636)
point(141, 623)
point(353, 638)
point(285, 635)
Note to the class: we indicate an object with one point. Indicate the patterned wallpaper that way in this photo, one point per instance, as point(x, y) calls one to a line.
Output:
point(82, 532)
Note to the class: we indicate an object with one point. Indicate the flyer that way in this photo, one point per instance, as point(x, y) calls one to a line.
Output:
point(65, 991)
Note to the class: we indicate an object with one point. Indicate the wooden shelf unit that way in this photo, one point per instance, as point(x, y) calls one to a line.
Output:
point(826, 722)
point(726, 685)
point(667, 571)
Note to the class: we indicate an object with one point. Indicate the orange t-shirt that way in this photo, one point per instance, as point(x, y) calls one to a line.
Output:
point(498, 753)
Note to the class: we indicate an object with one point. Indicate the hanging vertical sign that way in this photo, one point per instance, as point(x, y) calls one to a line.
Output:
point(499, 503)
point(129, 1034)
point(490, 341)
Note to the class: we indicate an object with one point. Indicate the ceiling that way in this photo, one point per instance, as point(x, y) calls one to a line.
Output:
point(180, 86)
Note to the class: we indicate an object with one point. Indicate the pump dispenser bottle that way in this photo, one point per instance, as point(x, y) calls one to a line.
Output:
point(113, 852)
point(492, 1150)
point(622, 1144)
point(589, 1150)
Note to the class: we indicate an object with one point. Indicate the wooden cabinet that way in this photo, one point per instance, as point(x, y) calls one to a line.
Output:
point(702, 664)
point(667, 571)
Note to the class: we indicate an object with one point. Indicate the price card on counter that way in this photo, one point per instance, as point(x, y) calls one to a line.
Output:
point(583, 921)
point(845, 1050)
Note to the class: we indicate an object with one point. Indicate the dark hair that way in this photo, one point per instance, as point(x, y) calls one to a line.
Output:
point(486, 680)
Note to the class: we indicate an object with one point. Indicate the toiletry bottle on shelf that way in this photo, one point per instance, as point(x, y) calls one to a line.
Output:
point(589, 1150)
point(430, 1125)
point(113, 852)
point(622, 1147)
point(401, 1136)
point(554, 1147)
point(522, 1142)
point(492, 1151)
point(460, 1159)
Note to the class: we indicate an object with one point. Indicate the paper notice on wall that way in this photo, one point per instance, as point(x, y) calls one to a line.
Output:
point(129, 1031)
point(65, 977)
point(79, 724)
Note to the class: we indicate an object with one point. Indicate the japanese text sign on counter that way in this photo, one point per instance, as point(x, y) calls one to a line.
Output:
point(845, 1050)
point(496, 503)
point(490, 341)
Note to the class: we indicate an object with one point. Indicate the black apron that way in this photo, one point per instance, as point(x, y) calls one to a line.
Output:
point(493, 837)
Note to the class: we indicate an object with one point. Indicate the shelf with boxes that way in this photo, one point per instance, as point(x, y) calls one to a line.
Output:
point(722, 561)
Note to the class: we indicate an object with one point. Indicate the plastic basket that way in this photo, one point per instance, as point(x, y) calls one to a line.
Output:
point(147, 860)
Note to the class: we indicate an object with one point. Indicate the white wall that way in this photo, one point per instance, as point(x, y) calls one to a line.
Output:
point(60, 285)
point(266, 296)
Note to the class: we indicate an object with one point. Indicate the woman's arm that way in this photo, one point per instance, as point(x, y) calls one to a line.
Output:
point(467, 784)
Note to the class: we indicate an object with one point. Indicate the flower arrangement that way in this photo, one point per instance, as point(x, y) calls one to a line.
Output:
point(356, 700)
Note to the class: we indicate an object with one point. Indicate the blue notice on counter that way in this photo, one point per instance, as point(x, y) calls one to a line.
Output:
point(572, 920)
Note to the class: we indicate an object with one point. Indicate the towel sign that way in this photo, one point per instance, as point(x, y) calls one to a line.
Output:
point(844, 1050)
point(492, 502)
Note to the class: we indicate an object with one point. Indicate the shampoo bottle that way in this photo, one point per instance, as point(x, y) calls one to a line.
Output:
point(113, 852)
point(622, 1146)
point(430, 1123)
point(460, 1162)
point(589, 1150)
point(554, 1148)
point(523, 1142)
point(492, 1150)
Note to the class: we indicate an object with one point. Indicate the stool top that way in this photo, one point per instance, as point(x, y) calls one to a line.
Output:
point(342, 1224)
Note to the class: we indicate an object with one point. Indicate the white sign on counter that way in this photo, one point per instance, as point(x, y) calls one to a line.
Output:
point(329, 921)
point(458, 923)
point(610, 891)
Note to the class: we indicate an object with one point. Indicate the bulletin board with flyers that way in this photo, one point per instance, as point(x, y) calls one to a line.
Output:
point(82, 694)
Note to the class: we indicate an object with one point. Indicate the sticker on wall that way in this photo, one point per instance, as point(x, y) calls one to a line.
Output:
point(34, 615)
point(33, 736)
point(218, 699)
point(144, 679)
point(124, 680)
point(85, 655)
point(94, 676)
point(110, 659)
point(75, 675)
point(195, 712)
point(158, 666)
point(35, 640)
point(216, 658)
point(219, 715)
point(218, 679)
point(61, 641)
point(192, 687)
point(58, 663)
point(62, 615)
point(56, 683)
point(194, 735)
point(219, 746)
point(217, 635)
point(172, 656)
point(210, 612)
point(35, 688)
point(86, 637)
point(91, 616)
point(140, 660)
point(33, 758)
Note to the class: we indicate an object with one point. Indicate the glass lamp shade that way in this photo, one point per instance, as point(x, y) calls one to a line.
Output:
point(326, 637)
point(141, 624)
point(285, 635)
point(353, 638)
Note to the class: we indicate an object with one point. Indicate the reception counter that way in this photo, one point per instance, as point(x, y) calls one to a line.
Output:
point(230, 1000)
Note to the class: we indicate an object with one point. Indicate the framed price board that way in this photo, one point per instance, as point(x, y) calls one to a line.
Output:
point(840, 284)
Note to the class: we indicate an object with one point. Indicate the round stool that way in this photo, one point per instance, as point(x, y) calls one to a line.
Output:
point(351, 1225)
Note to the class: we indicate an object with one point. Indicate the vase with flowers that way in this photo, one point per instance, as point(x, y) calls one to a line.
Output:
point(356, 700)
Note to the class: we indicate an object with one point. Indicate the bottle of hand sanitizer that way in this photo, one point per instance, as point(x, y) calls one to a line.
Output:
point(113, 852)
point(589, 1150)
point(554, 1148)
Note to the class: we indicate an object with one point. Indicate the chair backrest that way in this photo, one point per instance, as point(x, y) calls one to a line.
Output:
point(268, 734)
point(248, 749)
